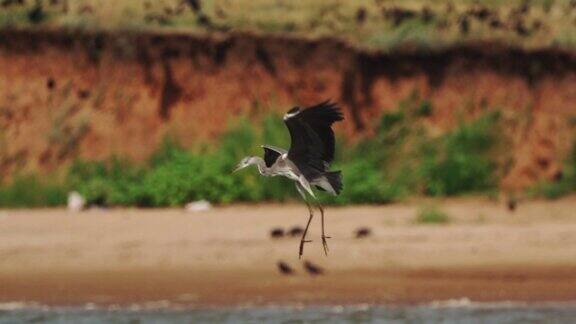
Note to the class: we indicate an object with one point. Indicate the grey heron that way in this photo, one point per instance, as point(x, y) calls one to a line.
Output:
point(308, 160)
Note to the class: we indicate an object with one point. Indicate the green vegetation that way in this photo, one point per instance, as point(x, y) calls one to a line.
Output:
point(564, 183)
point(29, 191)
point(402, 159)
point(432, 215)
point(380, 24)
point(174, 176)
point(462, 163)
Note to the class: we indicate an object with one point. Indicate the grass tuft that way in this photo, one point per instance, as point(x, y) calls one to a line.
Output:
point(432, 215)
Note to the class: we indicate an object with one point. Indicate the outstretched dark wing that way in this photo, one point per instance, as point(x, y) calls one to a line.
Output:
point(320, 118)
point(312, 147)
point(271, 154)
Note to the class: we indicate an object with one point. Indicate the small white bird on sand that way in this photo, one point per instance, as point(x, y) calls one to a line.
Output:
point(76, 202)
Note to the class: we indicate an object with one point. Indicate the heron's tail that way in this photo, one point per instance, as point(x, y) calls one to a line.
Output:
point(335, 180)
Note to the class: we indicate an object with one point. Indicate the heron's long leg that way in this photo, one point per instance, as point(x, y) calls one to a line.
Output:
point(303, 239)
point(311, 211)
point(324, 237)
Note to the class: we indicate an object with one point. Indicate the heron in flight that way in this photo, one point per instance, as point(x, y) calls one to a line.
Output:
point(307, 162)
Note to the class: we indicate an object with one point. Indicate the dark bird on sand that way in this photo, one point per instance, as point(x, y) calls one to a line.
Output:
point(284, 268)
point(313, 269)
point(362, 232)
point(277, 233)
point(307, 162)
point(296, 231)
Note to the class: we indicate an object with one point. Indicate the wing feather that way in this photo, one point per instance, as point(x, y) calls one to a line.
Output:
point(271, 154)
point(320, 118)
point(312, 139)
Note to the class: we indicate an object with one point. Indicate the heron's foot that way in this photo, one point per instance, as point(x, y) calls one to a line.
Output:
point(302, 241)
point(325, 244)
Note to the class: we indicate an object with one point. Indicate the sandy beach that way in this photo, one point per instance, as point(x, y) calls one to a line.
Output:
point(225, 256)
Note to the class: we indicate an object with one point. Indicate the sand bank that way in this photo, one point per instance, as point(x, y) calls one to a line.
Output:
point(225, 255)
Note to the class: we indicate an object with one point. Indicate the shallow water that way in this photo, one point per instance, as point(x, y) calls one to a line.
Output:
point(459, 311)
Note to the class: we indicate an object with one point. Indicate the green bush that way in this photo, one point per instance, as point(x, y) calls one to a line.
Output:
point(460, 162)
point(552, 190)
point(363, 183)
point(432, 215)
point(410, 161)
point(115, 182)
point(29, 191)
point(174, 176)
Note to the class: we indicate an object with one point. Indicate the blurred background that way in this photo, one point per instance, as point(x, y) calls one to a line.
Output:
point(441, 98)
point(460, 126)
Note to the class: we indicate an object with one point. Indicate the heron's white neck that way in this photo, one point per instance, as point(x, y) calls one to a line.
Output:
point(259, 162)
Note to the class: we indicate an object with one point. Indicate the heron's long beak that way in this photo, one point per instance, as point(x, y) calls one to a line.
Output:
point(237, 168)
